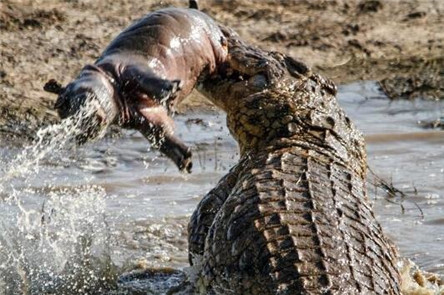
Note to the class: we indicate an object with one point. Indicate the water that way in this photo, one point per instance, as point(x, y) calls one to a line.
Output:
point(51, 237)
point(399, 150)
point(90, 213)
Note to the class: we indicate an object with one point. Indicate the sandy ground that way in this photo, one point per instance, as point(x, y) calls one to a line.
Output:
point(399, 43)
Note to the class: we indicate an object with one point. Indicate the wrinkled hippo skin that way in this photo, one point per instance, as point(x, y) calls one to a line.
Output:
point(144, 72)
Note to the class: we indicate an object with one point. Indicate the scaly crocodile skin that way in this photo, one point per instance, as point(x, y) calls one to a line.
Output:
point(293, 216)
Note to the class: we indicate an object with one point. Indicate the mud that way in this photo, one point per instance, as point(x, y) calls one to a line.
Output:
point(399, 44)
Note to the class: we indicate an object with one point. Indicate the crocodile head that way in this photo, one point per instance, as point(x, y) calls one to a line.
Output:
point(256, 90)
point(273, 100)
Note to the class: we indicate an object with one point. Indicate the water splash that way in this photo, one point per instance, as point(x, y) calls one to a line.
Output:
point(58, 245)
point(50, 139)
point(59, 249)
point(57, 237)
point(414, 281)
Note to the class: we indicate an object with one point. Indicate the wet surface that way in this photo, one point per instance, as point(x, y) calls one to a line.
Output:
point(132, 205)
point(401, 151)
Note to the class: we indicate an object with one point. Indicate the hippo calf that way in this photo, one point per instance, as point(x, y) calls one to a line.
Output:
point(143, 73)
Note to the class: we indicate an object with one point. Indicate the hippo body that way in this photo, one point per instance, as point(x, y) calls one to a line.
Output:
point(171, 44)
point(145, 71)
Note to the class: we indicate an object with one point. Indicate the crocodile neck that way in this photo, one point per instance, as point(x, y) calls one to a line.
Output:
point(304, 115)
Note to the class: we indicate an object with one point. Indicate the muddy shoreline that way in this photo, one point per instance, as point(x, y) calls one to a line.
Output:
point(400, 44)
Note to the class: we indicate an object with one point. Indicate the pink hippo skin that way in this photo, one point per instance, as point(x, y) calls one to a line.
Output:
point(144, 72)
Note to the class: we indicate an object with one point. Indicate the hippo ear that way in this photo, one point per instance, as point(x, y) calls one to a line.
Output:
point(53, 86)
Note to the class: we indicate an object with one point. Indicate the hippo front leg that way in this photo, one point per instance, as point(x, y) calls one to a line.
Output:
point(157, 127)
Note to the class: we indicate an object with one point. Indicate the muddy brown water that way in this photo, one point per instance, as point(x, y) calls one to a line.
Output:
point(116, 202)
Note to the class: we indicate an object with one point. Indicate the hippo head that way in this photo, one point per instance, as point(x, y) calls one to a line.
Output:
point(144, 102)
point(89, 98)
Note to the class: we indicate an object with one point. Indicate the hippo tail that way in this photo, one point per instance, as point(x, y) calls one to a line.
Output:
point(193, 4)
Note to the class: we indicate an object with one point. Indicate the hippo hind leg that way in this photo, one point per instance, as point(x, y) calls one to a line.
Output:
point(156, 126)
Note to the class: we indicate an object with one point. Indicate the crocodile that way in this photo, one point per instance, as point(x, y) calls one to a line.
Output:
point(293, 215)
